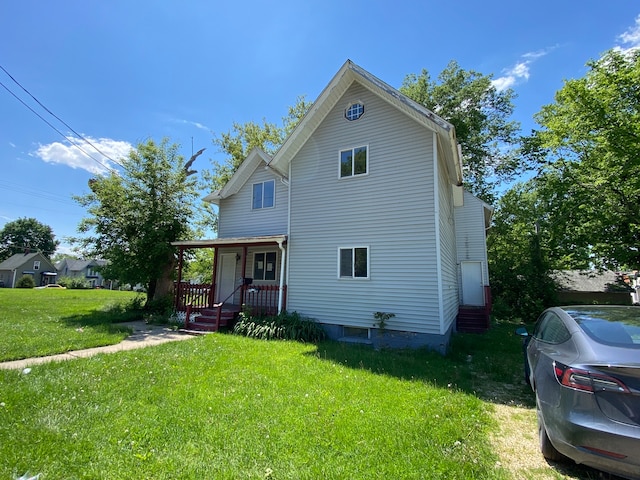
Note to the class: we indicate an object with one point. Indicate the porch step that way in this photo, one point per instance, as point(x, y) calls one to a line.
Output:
point(472, 320)
point(206, 321)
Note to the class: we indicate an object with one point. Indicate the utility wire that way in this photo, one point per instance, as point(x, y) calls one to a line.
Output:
point(58, 118)
point(73, 142)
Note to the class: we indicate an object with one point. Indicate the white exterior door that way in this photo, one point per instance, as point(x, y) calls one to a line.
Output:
point(226, 277)
point(472, 286)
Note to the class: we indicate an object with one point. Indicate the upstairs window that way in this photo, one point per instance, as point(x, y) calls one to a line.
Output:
point(264, 194)
point(353, 161)
point(354, 111)
point(36, 265)
point(353, 262)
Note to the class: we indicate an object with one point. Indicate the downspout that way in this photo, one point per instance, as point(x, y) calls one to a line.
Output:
point(282, 264)
point(13, 284)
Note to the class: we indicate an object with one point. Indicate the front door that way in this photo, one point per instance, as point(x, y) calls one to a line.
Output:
point(472, 286)
point(226, 277)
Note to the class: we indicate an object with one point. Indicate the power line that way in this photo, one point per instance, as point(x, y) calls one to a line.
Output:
point(56, 117)
point(72, 141)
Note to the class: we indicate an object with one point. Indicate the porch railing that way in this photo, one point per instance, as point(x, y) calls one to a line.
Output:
point(262, 299)
point(196, 295)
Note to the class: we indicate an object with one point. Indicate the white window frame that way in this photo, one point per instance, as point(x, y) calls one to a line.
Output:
point(353, 258)
point(349, 107)
point(262, 207)
point(36, 264)
point(353, 160)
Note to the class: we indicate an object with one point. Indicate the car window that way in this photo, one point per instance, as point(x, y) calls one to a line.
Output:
point(551, 329)
point(616, 326)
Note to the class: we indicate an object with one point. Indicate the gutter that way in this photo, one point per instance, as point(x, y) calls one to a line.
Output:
point(282, 265)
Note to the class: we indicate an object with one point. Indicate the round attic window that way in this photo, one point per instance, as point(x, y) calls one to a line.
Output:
point(354, 111)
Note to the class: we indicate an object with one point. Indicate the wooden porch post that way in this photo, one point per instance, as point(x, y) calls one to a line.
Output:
point(244, 273)
point(212, 293)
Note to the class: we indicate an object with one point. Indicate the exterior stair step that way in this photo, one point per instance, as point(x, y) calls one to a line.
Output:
point(472, 320)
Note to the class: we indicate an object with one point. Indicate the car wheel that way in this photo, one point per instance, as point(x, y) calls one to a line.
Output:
point(546, 447)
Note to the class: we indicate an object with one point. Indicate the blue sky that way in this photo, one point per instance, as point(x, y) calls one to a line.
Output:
point(124, 71)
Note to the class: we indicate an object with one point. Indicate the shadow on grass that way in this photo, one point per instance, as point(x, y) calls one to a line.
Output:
point(489, 365)
point(108, 320)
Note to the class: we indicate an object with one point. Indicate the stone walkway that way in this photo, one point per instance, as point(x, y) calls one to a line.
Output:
point(144, 335)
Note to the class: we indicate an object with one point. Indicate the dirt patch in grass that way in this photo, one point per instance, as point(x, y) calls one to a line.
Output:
point(516, 444)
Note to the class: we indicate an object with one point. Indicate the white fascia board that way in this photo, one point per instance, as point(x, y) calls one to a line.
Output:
point(349, 73)
point(240, 177)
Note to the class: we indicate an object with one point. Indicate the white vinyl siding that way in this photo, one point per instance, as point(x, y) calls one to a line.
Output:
point(471, 233)
point(392, 210)
point(238, 218)
point(448, 256)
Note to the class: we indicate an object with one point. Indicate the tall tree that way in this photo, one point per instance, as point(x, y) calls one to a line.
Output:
point(26, 234)
point(242, 138)
point(592, 171)
point(521, 253)
point(136, 214)
point(480, 114)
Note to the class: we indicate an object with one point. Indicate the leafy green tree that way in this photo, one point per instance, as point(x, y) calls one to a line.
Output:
point(480, 114)
point(521, 258)
point(134, 216)
point(591, 138)
point(26, 234)
point(242, 138)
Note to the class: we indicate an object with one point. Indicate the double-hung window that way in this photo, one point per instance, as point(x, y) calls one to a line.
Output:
point(353, 262)
point(264, 266)
point(36, 265)
point(264, 194)
point(354, 161)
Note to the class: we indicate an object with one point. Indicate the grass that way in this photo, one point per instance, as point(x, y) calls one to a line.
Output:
point(228, 407)
point(43, 322)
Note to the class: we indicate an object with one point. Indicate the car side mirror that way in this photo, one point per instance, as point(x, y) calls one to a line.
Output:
point(522, 331)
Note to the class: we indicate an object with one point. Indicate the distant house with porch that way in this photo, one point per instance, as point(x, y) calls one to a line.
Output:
point(34, 265)
point(88, 270)
point(362, 210)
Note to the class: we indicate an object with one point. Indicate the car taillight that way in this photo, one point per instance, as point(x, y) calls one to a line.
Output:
point(587, 381)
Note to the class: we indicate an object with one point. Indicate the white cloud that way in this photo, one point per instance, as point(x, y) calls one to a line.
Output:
point(519, 72)
point(195, 124)
point(630, 39)
point(81, 154)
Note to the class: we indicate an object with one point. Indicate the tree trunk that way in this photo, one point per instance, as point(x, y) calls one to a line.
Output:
point(164, 283)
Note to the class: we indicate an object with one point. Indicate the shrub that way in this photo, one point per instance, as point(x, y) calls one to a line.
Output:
point(76, 283)
point(285, 326)
point(159, 311)
point(26, 282)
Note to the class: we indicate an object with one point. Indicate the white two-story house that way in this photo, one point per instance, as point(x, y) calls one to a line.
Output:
point(361, 210)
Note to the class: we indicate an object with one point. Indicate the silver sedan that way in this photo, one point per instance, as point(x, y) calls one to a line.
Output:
point(583, 363)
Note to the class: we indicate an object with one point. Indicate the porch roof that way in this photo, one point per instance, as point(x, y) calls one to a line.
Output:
point(232, 242)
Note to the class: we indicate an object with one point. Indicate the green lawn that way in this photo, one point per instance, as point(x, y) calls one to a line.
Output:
point(36, 323)
point(228, 407)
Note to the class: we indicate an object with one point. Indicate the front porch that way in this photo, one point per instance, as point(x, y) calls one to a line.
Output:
point(245, 272)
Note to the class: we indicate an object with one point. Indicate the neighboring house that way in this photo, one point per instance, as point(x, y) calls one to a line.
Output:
point(88, 270)
point(35, 265)
point(361, 210)
point(592, 287)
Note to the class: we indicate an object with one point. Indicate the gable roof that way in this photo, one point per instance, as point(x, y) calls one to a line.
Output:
point(19, 259)
point(346, 76)
point(75, 265)
point(588, 281)
point(241, 176)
